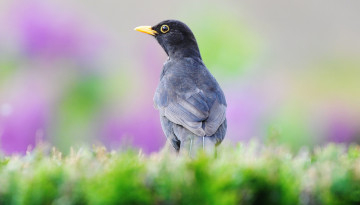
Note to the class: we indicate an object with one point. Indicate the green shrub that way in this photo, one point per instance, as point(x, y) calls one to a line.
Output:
point(246, 174)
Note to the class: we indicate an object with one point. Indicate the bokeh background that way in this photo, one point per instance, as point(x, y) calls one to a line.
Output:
point(75, 73)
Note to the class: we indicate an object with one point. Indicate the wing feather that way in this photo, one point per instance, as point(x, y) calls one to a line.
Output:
point(216, 118)
point(194, 114)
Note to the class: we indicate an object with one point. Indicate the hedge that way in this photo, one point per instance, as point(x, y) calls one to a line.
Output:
point(245, 174)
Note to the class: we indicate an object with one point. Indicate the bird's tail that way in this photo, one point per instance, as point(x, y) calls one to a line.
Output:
point(208, 146)
point(196, 144)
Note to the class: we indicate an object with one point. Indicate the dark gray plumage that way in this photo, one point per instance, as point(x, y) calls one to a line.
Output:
point(191, 103)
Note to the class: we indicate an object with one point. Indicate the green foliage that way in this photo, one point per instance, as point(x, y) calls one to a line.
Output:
point(78, 109)
point(227, 44)
point(122, 182)
point(7, 67)
point(246, 174)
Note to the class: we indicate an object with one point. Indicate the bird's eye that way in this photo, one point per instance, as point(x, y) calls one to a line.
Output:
point(164, 28)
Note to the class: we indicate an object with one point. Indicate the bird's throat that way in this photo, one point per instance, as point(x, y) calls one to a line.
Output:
point(184, 53)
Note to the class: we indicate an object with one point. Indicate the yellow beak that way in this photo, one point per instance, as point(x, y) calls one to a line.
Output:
point(146, 29)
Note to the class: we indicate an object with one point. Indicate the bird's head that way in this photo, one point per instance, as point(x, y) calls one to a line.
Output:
point(174, 36)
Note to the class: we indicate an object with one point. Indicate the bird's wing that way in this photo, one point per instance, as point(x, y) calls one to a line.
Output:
point(216, 117)
point(193, 113)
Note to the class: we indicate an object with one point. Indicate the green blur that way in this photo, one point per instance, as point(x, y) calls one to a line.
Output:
point(245, 174)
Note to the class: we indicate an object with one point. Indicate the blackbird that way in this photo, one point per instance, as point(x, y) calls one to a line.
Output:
point(191, 103)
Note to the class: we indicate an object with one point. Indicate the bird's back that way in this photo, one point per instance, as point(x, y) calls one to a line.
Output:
point(190, 101)
point(181, 78)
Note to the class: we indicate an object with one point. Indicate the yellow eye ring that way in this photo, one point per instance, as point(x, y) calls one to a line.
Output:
point(164, 29)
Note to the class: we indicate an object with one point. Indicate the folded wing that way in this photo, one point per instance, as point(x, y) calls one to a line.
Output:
point(193, 112)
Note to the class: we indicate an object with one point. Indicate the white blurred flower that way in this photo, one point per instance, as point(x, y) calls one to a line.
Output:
point(6, 109)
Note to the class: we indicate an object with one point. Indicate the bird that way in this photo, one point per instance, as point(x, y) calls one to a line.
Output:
point(190, 101)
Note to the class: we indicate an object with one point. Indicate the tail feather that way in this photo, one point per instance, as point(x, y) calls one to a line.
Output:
point(195, 144)
point(188, 143)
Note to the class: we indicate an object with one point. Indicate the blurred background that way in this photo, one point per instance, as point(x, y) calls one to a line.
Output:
point(75, 73)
